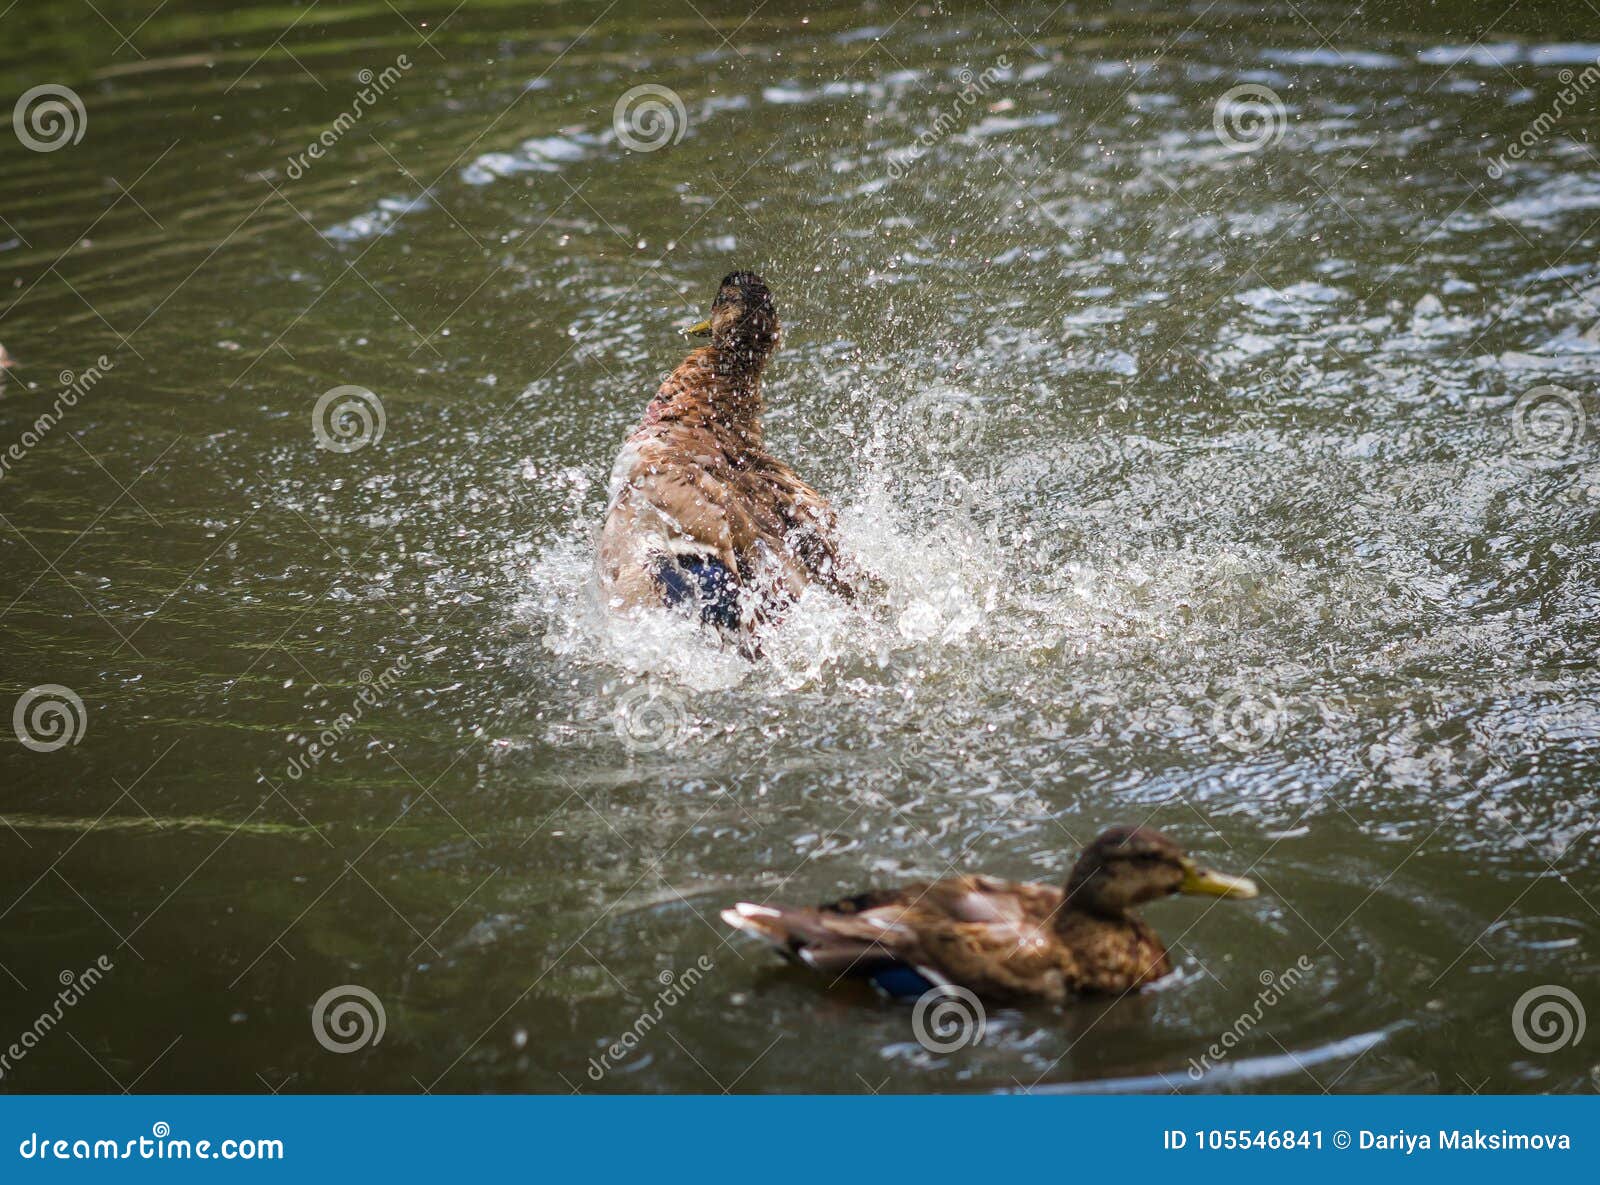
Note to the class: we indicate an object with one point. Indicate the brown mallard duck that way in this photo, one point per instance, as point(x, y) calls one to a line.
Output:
point(701, 516)
point(1002, 939)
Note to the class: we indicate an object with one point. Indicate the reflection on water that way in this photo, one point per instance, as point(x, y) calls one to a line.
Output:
point(1211, 401)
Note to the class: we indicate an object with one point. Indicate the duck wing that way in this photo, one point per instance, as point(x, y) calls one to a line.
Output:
point(675, 490)
point(990, 936)
point(807, 524)
point(680, 487)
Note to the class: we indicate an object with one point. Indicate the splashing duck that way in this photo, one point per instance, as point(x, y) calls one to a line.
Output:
point(701, 516)
point(1002, 939)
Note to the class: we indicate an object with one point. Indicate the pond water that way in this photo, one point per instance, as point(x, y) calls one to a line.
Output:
point(1226, 458)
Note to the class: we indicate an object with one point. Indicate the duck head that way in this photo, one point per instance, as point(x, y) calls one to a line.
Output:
point(1128, 866)
point(743, 326)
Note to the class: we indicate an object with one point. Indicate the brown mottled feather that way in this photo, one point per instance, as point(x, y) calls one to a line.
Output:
point(1001, 939)
point(695, 477)
point(1008, 939)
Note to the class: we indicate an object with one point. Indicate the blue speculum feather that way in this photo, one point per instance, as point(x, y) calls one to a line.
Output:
point(706, 583)
point(902, 982)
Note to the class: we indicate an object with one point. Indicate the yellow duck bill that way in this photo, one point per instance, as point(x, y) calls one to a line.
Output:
point(699, 329)
point(1203, 882)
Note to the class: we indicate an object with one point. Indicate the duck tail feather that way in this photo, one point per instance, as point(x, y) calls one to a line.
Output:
point(804, 937)
point(759, 921)
point(789, 930)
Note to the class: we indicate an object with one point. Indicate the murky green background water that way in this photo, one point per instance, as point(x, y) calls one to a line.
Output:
point(1222, 514)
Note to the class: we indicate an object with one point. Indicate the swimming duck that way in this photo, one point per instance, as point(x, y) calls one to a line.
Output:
point(1002, 939)
point(701, 516)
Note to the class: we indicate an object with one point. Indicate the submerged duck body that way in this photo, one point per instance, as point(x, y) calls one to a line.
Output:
point(700, 515)
point(1000, 939)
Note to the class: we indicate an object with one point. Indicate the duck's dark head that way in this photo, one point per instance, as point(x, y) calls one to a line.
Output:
point(743, 326)
point(1128, 866)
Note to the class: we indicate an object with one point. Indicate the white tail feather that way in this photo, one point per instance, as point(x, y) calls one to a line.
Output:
point(741, 917)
